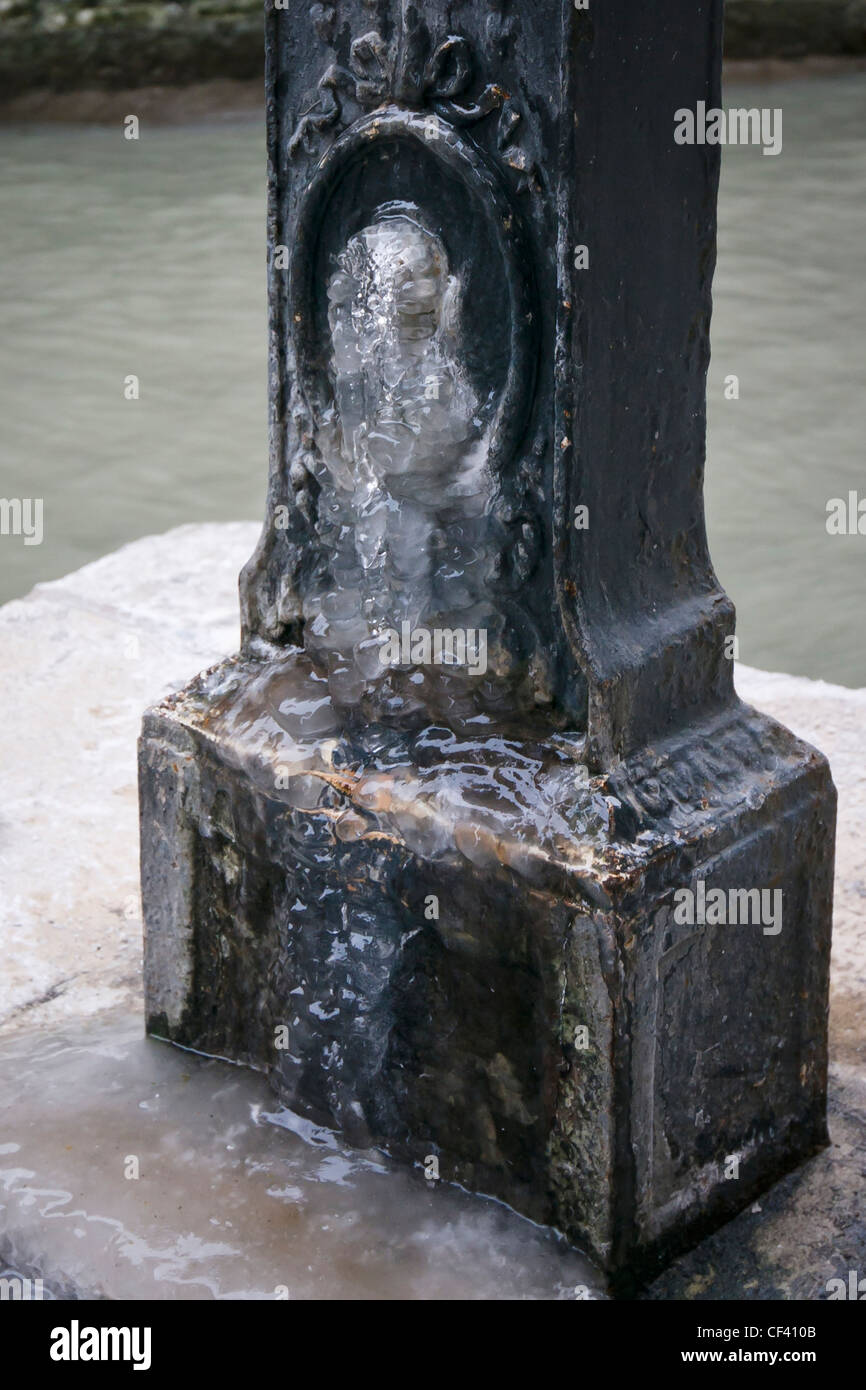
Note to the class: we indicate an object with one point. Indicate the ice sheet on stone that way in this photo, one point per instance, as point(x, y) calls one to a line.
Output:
point(234, 1198)
point(479, 792)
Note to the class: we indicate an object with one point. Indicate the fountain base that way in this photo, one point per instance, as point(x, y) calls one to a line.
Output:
point(469, 952)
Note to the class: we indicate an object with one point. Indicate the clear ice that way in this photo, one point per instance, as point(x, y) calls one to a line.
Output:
point(401, 461)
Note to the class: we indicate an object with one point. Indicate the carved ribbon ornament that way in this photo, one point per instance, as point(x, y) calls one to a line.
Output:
point(375, 76)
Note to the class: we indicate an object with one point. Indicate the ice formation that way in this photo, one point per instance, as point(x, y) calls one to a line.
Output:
point(401, 463)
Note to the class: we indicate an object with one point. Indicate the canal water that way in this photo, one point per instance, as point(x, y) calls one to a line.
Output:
point(146, 259)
